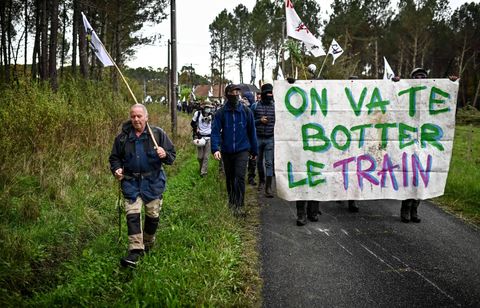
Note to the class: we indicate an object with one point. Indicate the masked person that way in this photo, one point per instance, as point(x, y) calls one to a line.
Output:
point(264, 115)
point(139, 166)
point(233, 140)
point(202, 128)
point(250, 102)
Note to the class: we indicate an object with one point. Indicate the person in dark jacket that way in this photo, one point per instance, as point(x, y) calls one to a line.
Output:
point(234, 129)
point(138, 166)
point(264, 115)
point(249, 101)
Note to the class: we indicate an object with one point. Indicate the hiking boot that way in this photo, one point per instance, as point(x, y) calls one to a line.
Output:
point(251, 181)
point(413, 212)
point(405, 211)
point(268, 187)
point(132, 258)
point(301, 213)
point(352, 206)
point(313, 210)
point(261, 185)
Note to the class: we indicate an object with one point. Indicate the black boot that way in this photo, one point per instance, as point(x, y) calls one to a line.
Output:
point(413, 211)
point(313, 210)
point(132, 258)
point(301, 213)
point(261, 184)
point(405, 211)
point(352, 206)
point(268, 187)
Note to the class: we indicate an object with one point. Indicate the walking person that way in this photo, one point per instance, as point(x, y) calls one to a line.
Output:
point(250, 102)
point(233, 140)
point(139, 167)
point(409, 208)
point(202, 129)
point(264, 115)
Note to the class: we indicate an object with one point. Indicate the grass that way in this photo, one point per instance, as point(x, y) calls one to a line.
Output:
point(59, 224)
point(462, 192)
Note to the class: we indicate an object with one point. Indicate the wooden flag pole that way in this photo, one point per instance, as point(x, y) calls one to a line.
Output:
point(131, 93)
point(323, 64)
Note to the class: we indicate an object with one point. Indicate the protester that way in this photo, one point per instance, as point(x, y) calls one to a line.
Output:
point(249, 101)
point(138, 166)
point(409, 208)
point(234, 130)
point(264, 115)
point(202, 128)
point(306, 208)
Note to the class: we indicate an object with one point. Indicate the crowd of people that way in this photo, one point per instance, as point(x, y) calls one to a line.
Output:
point(240, 134)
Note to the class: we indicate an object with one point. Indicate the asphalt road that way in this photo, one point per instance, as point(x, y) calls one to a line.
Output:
point(368, 259)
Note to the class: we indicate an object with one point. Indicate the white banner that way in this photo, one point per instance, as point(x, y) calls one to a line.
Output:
point(95, 43)
point(363, 139)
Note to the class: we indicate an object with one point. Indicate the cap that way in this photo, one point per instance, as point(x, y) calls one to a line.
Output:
point(231, 87)
point(419, 72)
point(266, 88)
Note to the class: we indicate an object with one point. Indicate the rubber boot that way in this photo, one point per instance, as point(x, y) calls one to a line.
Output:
point(413, 211)
point(268, 187)
point(313, 210)
point(405, 211)
point(301, 213)
point(352, 206)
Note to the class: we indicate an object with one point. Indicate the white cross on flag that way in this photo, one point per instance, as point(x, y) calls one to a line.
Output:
point(335, 50)
point(298, 30)
point(95, 43)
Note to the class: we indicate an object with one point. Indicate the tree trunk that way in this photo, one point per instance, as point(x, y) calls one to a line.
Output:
point(74, 36)
point(52, 72)
point(3, 38)
point(82, 46)
point(26, 39)
point(376, 59)
point(36, 44)
point(64, 21)
point(477, 93)
point(9, 27)
point(43, 61)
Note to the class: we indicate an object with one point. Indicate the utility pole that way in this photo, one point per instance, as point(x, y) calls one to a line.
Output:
point(169, 78)
point(173, 76)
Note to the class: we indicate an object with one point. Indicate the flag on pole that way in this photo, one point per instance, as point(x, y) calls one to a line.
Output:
point(298, 30)
point(388, 73)
point(193, 93)
point(210, 92)
point(95, 43)
point(280, 74)
point(335, 50)
point(315, 50)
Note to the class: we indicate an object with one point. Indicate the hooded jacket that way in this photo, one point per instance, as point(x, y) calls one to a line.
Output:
point(143, 169)
point(233, 130)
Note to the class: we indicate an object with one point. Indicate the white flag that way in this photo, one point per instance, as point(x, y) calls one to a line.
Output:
point(298, 30)
point(280, 74)
point(210, 92)
point(95, 43)
point(315, 50)
point(388, 73)
point(335, 50)
point(193, 93)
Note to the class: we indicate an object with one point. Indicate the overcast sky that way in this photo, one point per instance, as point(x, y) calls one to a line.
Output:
point(193, 36)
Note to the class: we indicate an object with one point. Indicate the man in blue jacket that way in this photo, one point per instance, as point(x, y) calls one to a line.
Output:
point(138, 165)
point(234, 140)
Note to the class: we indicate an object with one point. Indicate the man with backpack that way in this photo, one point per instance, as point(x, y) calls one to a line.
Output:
point(233, 140)
point(138, 165)
point(202, 128)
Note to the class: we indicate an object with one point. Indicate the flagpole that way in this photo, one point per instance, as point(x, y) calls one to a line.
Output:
point(131, 92)
point(323, 64)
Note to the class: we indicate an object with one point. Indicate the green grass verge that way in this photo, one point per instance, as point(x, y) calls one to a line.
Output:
point(462, 192)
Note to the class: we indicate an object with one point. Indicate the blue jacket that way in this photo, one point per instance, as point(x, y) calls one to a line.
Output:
point(144, 175)
point(233, 130)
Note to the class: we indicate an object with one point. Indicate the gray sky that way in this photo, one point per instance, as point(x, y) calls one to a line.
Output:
point(193, 36)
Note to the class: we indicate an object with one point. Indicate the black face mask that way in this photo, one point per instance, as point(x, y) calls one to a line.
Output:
point(232, 100)
point(267, 98)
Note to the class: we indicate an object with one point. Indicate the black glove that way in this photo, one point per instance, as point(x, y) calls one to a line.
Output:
point(290, 80)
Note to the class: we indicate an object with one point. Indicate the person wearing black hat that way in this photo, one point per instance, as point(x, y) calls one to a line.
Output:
point(233, 140)
point(264, 115)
